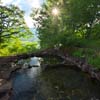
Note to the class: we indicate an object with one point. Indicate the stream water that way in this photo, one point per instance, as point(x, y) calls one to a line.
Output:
point(53, 84)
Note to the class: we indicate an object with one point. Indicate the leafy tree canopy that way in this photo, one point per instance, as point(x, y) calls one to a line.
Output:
point(14, 32)
point(12, 23)
point(77, 20)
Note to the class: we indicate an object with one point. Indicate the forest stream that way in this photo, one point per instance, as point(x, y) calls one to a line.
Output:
point(49, 49)
point(53, 84)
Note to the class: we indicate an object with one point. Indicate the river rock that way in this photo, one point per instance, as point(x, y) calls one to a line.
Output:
point(5, 85)
point(98, 76)
point(5, 89)
point(5, 74)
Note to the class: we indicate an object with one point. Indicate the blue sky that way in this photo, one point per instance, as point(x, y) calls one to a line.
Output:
point(25, 5)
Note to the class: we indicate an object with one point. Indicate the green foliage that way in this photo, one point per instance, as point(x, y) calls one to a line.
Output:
point(85, 14)
point(94, 61)
point(92, 55)
point(78, 53)
point(14, 32)
point(77, 21)
point(17, 47)
point(12, 23)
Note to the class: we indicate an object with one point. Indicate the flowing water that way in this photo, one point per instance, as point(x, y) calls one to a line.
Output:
point(53, 84)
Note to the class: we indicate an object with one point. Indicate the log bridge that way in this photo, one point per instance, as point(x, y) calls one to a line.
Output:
point(76, 62)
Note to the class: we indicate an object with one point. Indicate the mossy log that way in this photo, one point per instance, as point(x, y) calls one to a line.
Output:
point(78, 62)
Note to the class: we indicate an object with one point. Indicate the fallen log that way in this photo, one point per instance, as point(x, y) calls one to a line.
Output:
point(80, 63)
point(9, 59)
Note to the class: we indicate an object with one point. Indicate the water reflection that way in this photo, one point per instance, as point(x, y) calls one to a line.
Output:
point(25, 80)
point(35, 61)
point(25, 84)
point(53, 84)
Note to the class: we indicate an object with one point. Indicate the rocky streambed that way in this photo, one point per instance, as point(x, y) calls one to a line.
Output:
point(5, 81)
point(6, 72)
point(54, 83)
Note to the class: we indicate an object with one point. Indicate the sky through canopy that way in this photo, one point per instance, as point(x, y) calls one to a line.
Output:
point(25, 5)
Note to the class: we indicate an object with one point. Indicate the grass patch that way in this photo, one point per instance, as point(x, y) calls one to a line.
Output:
point(94, 61)
point(92, 55)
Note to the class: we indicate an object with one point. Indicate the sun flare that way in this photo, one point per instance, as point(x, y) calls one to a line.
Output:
point(55, 11)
